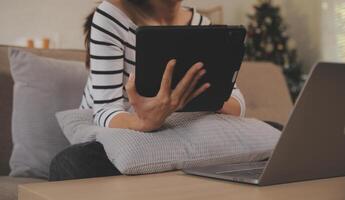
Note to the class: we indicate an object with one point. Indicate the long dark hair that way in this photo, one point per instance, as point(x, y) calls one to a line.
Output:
point(88, 24)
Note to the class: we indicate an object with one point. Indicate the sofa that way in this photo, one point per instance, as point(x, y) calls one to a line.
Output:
point(262, 84)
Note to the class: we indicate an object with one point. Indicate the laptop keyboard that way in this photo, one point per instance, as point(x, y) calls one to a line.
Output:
point(251, 173)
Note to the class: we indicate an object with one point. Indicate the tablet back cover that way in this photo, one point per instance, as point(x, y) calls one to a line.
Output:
point(220, 48)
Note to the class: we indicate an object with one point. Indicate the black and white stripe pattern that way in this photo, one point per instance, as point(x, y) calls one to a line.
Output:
point(112, 59)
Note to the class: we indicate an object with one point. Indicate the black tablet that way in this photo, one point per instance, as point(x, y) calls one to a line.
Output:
point(220, 48)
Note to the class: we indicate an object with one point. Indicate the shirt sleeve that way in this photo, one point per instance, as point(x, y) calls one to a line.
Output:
point(107, 67)
point(237, 94)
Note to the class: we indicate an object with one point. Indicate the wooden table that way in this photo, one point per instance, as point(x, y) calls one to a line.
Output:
point(176, 185)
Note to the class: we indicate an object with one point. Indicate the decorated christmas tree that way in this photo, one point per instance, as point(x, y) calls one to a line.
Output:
point(268, 40)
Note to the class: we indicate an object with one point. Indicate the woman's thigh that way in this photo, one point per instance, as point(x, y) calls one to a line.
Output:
point(79, 161)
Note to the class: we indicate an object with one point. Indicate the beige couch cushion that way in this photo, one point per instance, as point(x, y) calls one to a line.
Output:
point(8, 186)
point(265, 91)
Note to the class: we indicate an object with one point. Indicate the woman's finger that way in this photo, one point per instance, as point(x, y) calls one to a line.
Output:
point(199, 91)
point(191, 88)
point(167, 78)
point(182, 86)
point(131, 89)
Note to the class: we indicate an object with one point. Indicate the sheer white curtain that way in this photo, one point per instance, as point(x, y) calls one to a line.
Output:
point(333, 30)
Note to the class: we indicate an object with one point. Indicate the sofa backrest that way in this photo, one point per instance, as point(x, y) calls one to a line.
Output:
point(265, 91)
point(262, 84)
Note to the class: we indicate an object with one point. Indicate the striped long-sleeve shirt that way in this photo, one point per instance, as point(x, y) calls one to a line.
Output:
point(112, 59)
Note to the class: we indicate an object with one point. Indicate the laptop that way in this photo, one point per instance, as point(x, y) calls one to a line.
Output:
point(220, 48)
point(312, 144)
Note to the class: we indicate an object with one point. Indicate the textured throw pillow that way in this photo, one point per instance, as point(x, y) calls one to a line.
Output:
point(186, 140)
point(42, 87)
point(73, 124)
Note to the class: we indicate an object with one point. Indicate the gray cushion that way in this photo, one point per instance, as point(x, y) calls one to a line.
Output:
point(75, 124)
point(186, 140)
point(8, 186)
point(42, 87)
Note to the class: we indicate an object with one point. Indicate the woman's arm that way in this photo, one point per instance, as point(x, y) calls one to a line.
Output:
point(107, 69)
point(231, 107)
point(236, 105)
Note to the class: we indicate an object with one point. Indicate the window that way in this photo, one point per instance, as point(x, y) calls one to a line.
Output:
point(333, 30)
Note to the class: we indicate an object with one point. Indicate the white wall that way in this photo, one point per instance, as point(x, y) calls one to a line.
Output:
point(235, 11)
point(333, 24)
point(62, 21)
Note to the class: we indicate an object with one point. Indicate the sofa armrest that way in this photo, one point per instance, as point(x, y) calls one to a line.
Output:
point(6, 93)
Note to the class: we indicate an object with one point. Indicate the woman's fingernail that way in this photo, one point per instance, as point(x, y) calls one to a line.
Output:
point(203, 72)
point(199, 67)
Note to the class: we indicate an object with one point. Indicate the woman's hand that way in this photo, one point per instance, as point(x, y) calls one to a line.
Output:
point(153, 111)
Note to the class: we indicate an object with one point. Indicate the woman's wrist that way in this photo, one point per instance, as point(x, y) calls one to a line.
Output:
point(127, 121)
point(133, 122)
point(139, 124)
point(136, 123)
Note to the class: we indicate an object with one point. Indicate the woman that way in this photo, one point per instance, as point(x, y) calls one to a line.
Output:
point(110, 90)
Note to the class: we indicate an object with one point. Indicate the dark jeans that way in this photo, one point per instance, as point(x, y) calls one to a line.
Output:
point(88, 160)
